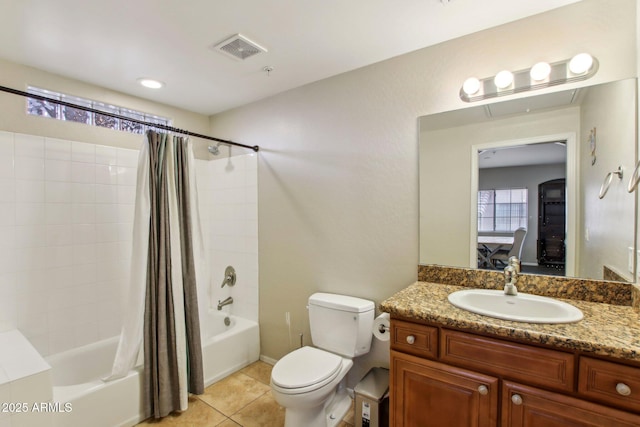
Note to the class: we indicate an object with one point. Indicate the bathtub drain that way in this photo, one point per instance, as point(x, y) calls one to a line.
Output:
point(227, 321)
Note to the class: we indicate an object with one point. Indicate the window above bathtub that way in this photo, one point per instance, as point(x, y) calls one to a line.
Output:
point(37, 107)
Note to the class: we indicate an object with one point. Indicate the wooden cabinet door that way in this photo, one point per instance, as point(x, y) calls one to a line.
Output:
point(524, 406)
point(432, 394)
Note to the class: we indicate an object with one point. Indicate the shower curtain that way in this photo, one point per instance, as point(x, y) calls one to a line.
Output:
point(163, 307)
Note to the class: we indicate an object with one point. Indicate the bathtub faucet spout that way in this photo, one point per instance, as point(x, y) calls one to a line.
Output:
point(225, 302)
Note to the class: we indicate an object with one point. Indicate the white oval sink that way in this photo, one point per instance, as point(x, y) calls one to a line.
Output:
point(519, 308)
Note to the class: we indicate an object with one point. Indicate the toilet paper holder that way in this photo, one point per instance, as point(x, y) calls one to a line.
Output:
point(383, 328)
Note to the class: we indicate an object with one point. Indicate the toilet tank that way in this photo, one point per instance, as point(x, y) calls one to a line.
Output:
point(341, 324)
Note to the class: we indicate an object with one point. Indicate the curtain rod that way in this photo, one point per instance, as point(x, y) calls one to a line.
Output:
point(117, 116)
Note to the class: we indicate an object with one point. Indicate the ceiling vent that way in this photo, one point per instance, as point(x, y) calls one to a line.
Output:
point(239, 47)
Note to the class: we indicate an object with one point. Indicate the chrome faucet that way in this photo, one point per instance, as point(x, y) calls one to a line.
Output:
point(227, 301)
point(511, 276)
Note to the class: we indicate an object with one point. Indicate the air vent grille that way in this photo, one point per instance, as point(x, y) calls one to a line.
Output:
point(239, 47)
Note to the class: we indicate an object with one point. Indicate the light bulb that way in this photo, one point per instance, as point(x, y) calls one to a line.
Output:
point(150, 83)
point(581, 63)
point(503, 79)
point(540, 71)
point(471, 86)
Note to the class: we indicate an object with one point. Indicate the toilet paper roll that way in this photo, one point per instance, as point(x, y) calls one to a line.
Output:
point(382, 327)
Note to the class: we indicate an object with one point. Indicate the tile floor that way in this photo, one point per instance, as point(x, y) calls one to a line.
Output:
point(241, 399)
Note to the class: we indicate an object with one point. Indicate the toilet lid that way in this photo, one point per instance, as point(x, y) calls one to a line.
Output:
point(304, 367)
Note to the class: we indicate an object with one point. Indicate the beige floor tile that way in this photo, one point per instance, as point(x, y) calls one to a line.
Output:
point(350, 417)
point(233, 393)
point(263, 412)
point(228, 423)
point(198, 414)
point(260, 371)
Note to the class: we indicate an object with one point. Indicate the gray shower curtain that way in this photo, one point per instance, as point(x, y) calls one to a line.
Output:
point(172, 346)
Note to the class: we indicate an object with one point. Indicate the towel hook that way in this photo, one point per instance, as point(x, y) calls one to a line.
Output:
point(635, 178)
point(607, 181)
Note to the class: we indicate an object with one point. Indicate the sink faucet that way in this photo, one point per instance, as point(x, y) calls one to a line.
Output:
point(510, 276)
point(227, 301)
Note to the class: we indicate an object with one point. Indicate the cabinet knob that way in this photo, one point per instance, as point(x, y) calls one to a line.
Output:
point(411, 339)
point(483, 390)
point(623, 389)
point(516, 399)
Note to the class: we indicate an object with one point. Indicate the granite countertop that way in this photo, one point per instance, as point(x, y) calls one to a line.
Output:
point(606, 329)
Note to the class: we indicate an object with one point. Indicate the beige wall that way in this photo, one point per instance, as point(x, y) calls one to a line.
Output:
point(14, 119)
point(611, 111)
point(338, 170)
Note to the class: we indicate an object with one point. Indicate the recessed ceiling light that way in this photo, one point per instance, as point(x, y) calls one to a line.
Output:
point(150, 83)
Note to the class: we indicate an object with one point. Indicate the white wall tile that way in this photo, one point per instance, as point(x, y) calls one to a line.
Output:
point(57, 149)
point(127, 176)
point(83, 213)
point(83, 152)
point(28, 191)
point(7, 213)
point(105, 155)
point(127, 158)
point(7, 190)
point(106, 174)
point(59, 235)
point(58, 213)
point(58, 192)
point(57, 170)
point(83, 173)
point(29, 213)
point(106, 194)
point(83, 193)
point(28, 145)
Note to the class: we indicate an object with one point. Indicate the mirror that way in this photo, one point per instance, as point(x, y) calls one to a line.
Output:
point(599, 233)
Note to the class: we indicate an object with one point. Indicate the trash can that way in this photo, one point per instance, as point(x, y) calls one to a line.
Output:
point(372, 399)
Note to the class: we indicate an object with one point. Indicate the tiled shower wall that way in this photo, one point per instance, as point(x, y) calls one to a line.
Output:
point(66, 212)
point(229, 211)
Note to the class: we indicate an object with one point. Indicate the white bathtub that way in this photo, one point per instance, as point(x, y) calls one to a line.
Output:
point(76, 373)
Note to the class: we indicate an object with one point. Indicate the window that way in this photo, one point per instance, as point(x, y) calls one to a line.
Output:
point(502, 210)
point(37, 107)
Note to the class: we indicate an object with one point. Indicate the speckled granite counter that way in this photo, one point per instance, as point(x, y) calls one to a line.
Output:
point(606, 329)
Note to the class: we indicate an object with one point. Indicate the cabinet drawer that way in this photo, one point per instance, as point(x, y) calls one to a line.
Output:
point(412, 338)
point(524, 406)
point(611, 383)
point(533, 365)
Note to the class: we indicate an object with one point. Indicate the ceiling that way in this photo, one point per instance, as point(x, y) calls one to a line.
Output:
point(113, 43)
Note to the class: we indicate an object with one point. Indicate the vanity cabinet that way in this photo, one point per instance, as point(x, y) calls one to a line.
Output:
point(446, 377)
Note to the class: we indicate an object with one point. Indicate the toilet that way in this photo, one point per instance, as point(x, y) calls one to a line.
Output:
point(308, 382)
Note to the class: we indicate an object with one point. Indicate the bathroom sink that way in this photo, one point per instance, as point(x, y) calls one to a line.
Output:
point(519, 308)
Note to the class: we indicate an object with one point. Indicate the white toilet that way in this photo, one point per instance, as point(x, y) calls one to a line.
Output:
point(307, 381)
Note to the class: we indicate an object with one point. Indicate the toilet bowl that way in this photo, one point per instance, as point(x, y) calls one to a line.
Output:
point(310, 381)
point(306, 382)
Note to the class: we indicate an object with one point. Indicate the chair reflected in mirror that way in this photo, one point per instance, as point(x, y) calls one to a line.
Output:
point(501, 257)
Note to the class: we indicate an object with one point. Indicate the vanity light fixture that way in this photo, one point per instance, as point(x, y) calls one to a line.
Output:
point(539, 76)
point(150, 83)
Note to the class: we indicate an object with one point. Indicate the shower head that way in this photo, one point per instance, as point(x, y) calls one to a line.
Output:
point(214, 149)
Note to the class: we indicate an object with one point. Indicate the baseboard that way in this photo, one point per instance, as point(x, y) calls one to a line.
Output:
point(268, 360)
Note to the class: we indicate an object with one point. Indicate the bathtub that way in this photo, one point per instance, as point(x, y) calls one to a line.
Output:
point(76, 374)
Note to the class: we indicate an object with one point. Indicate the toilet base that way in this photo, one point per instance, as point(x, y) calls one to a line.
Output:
point(329, 416)
point(338, 407)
